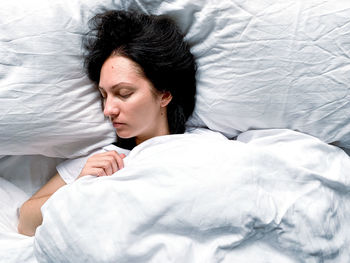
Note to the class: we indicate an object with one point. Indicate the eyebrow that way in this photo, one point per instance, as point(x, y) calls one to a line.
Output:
point(119, 86)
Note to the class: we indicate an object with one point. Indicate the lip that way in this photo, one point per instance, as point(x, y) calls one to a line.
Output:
point(118, 124)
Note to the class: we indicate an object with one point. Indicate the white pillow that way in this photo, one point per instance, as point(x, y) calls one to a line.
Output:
point(47, 104)
point(272, 64)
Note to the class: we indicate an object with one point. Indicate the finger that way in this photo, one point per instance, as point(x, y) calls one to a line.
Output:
point(100, 172)
point(96, 157)
point(114, 164)
point(105, 161)
point(106, 164)
point(122, 155)
point(115, 161)
point(120, 162)
point(91, 171)
point(118, 159)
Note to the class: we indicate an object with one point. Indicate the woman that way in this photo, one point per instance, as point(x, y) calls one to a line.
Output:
point(145, 73)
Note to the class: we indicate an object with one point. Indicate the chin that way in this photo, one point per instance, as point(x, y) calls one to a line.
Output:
point(124, 136)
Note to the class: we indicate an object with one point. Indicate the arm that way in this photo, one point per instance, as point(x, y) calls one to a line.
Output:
point(30, 214)
point(102, 164)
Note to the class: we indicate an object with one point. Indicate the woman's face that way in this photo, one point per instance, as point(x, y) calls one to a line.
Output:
point(134, 106)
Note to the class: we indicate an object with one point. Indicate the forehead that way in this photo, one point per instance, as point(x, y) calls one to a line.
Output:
point(120, 69)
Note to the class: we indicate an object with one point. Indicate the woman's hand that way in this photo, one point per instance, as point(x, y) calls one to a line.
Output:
point(103, 164)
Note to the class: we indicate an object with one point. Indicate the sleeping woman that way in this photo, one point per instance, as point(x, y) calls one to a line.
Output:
point(145, 73)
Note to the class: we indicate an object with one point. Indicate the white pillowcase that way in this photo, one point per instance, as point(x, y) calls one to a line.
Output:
point(47, 104)
point(272, 64)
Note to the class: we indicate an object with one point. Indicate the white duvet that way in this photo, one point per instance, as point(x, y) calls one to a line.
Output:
point(272, 196)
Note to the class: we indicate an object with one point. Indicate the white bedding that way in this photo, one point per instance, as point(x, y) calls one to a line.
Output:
point(272, 196)
point(275, 194)
point(13, 246)
point(272, 64)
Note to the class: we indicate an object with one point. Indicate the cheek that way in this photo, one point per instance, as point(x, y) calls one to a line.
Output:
point(143, 108)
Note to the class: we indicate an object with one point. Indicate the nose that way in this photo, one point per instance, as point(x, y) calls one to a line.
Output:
point(110, 107)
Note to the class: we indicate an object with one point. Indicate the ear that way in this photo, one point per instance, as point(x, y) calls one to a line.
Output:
point(165, 99)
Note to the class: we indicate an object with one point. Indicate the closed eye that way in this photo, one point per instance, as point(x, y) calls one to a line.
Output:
point(125, 96)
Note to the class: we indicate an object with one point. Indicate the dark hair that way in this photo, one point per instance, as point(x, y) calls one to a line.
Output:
point(156, 44)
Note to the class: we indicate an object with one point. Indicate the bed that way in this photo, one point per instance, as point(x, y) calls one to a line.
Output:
point(261, 175)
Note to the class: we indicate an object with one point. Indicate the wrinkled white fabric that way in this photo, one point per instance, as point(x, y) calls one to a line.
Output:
point(267, 64)
point(14, 248)
point(203, 198)
point(272, 64)
point(28, 172)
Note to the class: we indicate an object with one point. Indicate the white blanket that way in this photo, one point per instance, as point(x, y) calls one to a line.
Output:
point(275, 195)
